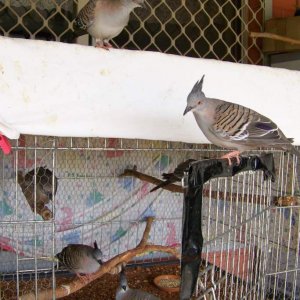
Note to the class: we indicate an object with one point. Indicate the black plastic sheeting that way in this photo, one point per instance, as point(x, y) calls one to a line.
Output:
point(192, 238)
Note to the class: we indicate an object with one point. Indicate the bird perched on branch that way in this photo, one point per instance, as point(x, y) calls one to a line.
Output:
point(105, 19)
point(43, 187)
point(83, 260)
point(124, 292)
point(234, 126)
point(175, 176)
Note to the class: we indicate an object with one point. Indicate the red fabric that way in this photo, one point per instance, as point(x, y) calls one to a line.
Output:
point(4, 144)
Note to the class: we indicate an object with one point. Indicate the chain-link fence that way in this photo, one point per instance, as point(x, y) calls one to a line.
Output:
point(200, 28)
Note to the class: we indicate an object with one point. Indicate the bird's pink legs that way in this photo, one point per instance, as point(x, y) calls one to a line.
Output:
point(230, 155)
point(103, 44)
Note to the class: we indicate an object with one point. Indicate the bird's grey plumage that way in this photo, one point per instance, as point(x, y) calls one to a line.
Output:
point(234, 126)
point(105, 19)
point(175, 176)
point(125, 293)
point(80, 259)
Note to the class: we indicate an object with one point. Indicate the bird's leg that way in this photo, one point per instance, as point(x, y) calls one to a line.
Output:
point(107, 44)
point(103, 44)
point(84, 278)
point(233, 154)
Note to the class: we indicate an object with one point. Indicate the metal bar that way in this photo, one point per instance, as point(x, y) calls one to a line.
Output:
point(34, 224)
point(217, 150)
point(53, 220)
point(283, 272)
point(16, 216)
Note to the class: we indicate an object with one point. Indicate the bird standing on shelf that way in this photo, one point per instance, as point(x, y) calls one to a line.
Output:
point(175, 176)
point(234, 126)
point(81, 259)
point(105, 19)
point(124, 292)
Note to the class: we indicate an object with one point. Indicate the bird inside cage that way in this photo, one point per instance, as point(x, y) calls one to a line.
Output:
point(38, 191)
point(124, 292)
point(83, 260)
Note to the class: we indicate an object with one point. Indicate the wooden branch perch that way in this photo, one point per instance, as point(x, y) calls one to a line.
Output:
point(273, 36)
point(76, 284)
point(206, 192)
point(144, 177)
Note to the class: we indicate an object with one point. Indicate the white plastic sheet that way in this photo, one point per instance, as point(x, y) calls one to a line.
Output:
point(56, 89)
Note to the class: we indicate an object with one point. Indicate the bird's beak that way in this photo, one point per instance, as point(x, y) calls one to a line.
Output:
point(187, 109)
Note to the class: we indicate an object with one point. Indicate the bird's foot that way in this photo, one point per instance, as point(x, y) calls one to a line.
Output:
point(108, 44)
point(104, 45)
point(233, 154)
point(85, 279)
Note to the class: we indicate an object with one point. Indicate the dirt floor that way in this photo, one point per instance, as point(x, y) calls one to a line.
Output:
point(139, 278)
point(103, 288)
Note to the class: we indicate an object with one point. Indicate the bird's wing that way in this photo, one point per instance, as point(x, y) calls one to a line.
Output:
point(237, 123)
point(86, 16)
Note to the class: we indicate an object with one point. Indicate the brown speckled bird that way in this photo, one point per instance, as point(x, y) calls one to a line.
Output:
point(105, 19)
point(44, 189)
point(83, 260)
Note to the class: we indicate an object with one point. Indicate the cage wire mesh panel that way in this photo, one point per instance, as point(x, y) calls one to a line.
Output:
point(251, 246)
point(91, 203)
point(200, 28)
point(283, 279)
point(235, 230)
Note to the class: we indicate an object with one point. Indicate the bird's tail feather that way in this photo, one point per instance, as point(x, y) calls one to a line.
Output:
point(75, 34)
point(96, 245)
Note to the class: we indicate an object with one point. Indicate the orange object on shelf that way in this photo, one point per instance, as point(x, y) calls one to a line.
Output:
point(284, 8)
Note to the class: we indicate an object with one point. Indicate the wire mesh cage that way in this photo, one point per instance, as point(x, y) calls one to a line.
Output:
point(251, 236)
point(91, 202)
point(250, 245)
point(236, 213)
point(251, 248)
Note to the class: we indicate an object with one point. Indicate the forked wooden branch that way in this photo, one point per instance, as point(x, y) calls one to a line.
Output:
point(272, 36)
point(76, 284)
point(144, 177)
point(206, 192)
